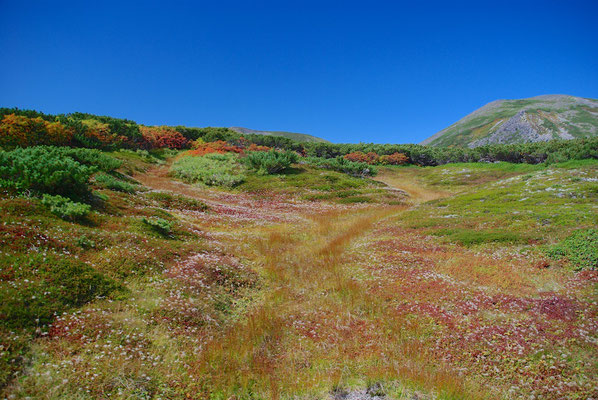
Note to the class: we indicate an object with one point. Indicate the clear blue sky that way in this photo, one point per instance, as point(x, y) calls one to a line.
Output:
point(346, 71)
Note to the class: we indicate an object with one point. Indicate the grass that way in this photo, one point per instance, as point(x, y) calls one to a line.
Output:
point(305, 285)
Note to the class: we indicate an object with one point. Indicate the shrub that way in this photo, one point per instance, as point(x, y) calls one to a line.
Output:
point(65, 208)
point(393, 159)
point(160, 225)
point(201, 148)
point(110, 182)
point(90, 157)
point(95, 134)
point(581, 249)
point(270, 162)
point(21, 131)
point(340, 164)
point(44, 170)
point(211, 169)
point(158, 137)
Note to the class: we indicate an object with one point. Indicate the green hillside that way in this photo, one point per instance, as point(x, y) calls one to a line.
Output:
point(535, 119)
point(299, 137)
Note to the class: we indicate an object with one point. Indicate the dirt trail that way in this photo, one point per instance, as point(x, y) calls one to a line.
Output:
point(417, 193)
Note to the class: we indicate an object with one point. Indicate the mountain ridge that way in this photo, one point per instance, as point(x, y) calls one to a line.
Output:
point(299, 137)
point(533, 119)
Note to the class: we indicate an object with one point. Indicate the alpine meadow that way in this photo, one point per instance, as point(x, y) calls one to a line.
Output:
point(151, 247)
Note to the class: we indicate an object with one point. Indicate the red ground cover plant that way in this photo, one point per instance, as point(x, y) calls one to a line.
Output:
point(158, 137)
point(372, 158)
point(16, 130)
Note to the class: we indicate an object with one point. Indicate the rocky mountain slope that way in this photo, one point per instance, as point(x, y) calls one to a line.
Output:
point(300, 137)
point(534, 119)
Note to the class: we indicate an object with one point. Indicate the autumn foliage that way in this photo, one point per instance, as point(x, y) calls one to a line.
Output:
point(98, 135)
point(21, 131)
point(157, 137)
point(221, 147)
point(372, 158)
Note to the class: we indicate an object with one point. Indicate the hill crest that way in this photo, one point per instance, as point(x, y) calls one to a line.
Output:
point(534, 119)
point(299, 137)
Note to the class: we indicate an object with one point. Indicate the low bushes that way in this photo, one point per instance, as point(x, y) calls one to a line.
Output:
point(65, 208)
point(372, 158)
point(270, 162)
point(580, 249)
point(211, 169)
point(53, 170)
point(110, 182)
point(22, 131)
point(341, 164)
point(158, 137)
point(159, 225)
point(45, 171)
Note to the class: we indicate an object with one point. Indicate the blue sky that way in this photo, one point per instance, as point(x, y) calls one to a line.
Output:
point(346, 71)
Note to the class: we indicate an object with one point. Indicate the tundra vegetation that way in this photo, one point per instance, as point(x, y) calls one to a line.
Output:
point(174, 262)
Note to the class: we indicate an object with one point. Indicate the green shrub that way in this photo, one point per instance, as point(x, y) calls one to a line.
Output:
point(110, 182)
point(270, 162)
point(581, 249)
point(44, 170)
point(171, 200)
point(211, 169)
point(65, 208)
point(341, 164)
point(160, 225)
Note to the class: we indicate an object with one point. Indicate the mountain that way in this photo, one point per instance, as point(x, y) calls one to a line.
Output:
point(535, 119)
point(299, 137)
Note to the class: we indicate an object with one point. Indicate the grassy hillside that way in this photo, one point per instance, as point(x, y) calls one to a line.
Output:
point(535, 119)
point(299, 137)
point(455, 282)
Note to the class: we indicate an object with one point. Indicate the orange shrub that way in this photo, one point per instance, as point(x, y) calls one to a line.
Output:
point(17, 130)
point(219, 146)
point(359, 156)
point(157, 137)
point(394, 159)
point(255, 147)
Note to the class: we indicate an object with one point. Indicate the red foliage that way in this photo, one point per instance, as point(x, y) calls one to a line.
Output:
point(16, 130)
point(255, 147)
point(394, 159)
point(372, 158)
point(221, 147)
point(158, 137)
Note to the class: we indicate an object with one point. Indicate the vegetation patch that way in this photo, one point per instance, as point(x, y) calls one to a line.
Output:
point(159, 225)
point(467, 237)
point(211, 170)
point(580, 249)
point(112, 183)
point(270, 162)
point(173, 200)
point(65, 208)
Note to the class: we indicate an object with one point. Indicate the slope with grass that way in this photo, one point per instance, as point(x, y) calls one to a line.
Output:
point(454, 283)
point(535, 119)
point(299, 137)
